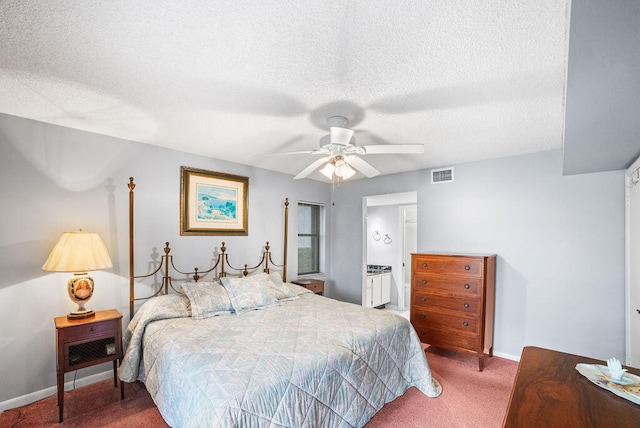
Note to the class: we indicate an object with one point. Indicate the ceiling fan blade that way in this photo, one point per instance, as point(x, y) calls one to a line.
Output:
point(319, 151)
point(361, 165)
point(394, 148)
point(301, 152)
point(308, 170)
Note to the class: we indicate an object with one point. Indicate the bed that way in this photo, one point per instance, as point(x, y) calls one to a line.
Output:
point(255, 350)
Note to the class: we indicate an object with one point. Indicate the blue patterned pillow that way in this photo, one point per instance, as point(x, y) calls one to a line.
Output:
point(249, 293)
point(208, 299)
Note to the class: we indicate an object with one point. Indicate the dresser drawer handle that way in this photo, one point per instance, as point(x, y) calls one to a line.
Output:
point(466, 305)
point(424, 281)
point(466, 324)
point(467, 267)
point(421, 331)
point(424, 264)
point(423, 316)
point(467, 286)
point(91, 329)
point(424, 299)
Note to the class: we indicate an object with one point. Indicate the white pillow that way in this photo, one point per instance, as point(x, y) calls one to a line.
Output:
point(279, 288)
point(207, 299)
point(249, 293)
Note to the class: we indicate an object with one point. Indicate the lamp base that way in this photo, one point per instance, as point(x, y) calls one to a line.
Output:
point(80, 288)
point(80, 315)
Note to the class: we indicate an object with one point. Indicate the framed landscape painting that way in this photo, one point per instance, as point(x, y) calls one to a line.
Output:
point(213, 203)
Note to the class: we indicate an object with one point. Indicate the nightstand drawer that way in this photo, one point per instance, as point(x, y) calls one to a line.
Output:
point(90, 331)
point(315, 285)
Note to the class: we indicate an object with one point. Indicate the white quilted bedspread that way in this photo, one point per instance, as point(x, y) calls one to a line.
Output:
point(311, 362)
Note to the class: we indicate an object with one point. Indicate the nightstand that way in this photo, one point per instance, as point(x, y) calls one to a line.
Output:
point(315, 285)
point(87, 342)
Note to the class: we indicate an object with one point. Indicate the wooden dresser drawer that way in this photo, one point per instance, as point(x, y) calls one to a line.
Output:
point(465, 304)
point(458, 323)
point(449, 265)
point(458, 285)
point(445, 339)
point(89, 331)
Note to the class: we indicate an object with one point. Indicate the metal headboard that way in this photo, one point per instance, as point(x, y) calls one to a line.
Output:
point(220, 265)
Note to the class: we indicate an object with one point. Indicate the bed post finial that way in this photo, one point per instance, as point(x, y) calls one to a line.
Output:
point(222, 258)
point(267, 256)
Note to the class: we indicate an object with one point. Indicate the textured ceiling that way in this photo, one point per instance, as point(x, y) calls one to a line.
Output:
point(238, 80)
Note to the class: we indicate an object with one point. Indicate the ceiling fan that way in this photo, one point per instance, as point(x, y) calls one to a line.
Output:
point(342, 156)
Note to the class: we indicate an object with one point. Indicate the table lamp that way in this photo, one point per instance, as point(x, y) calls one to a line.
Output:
point(79, 252)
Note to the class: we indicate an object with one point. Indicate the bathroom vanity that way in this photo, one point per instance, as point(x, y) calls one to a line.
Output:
point(378, 290)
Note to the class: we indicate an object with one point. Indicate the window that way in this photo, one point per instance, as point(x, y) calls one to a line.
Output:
point(309, 237)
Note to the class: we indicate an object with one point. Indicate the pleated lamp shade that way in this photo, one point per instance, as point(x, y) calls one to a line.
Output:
point(79, 252)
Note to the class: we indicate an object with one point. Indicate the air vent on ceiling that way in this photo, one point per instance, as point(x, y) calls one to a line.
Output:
point(443, 175)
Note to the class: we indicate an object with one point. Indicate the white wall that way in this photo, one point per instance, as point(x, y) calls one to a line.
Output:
point(559, 241)
point(54, 179)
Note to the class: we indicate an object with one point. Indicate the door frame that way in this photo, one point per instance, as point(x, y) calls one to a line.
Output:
point(405, 258)
point(630, 181)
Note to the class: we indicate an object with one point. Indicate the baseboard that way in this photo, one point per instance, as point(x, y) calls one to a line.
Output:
point(47, 392)
point(506, 356)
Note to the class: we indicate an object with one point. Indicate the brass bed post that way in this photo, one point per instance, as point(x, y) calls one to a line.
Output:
point(266, 257)
point(131, 186)
point(286, 238)
point(166, 278)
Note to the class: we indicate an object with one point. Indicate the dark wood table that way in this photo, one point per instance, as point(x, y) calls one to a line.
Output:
point(550, 392)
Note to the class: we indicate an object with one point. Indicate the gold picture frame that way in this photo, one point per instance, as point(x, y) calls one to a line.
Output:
point(213, 203)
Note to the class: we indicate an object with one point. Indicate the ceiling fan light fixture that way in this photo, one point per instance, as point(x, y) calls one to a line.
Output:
point(340, 136)
point(348, 173)
point(343, 170)
point(327, 170)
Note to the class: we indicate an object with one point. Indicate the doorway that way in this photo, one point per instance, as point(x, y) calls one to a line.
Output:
point(384, 217)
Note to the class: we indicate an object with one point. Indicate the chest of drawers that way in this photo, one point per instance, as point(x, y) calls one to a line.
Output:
point(453, 301)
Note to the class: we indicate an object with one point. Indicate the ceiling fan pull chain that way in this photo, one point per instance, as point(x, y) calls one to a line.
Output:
point(333, 185)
